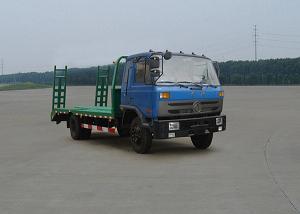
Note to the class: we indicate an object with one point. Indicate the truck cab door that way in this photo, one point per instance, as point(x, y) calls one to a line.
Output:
point(138, 91)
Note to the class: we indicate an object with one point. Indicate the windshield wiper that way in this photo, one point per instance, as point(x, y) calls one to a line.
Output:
point(208, 85)
point(198, 84)
point(175, 83)
point(202, 84)
point(193, 83)
point(181, 85)
point(165, 82)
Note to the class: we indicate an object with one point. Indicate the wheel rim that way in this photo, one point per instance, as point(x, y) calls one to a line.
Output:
point(136, 134)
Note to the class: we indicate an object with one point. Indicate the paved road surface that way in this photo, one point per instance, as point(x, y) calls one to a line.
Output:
point(253, 167)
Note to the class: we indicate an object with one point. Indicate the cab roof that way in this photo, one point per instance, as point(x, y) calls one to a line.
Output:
point(150, 53)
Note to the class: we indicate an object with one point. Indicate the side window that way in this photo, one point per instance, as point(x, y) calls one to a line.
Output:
point(147, 73)
point(142, 74)
point(140, 71)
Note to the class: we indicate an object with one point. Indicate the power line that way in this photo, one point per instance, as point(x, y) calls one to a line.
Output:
point(281, 35)
point(273, 46)
point(278, 40)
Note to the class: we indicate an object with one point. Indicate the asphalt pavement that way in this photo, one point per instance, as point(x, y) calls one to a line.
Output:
point(252, 167)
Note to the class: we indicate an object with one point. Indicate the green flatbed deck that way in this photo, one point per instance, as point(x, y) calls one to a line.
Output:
point(90, 111)
point(100, 110)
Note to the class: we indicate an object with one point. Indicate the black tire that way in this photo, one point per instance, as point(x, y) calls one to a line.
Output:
point(74, 127)
point(202, 141)
point(123, 131)
point(76, 131)
point(140, 137)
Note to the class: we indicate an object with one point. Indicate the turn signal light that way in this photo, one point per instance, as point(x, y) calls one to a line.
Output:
point(221, 94)
point(164, 95)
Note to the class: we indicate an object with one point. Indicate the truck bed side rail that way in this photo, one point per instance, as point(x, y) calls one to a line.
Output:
point(59, 88)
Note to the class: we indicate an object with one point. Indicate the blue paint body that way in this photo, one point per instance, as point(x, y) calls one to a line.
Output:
point(146, 97)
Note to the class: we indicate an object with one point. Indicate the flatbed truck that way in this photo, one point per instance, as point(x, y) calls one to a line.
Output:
point(153, 95)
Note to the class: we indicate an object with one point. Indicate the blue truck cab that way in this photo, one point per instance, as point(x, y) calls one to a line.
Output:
point(168, 95)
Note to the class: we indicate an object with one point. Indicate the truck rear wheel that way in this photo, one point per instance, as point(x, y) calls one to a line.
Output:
point(76, 131)
point(202, 141)
point(140, 137)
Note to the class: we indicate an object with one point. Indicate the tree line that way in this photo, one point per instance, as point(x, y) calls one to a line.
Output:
point(262, 72)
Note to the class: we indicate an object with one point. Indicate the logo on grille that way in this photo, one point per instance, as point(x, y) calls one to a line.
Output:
point(197, 106)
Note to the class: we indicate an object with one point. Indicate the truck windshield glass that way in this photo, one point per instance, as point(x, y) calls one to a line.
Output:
point(188, 70)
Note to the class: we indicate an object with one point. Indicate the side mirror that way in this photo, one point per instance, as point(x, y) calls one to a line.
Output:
point(155, 73)
point(168, 55)
point(154, 63)
point(217, 67)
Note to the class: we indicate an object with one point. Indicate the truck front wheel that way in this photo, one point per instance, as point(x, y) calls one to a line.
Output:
point(140, 137)
point(76, 131)
point(202, 141)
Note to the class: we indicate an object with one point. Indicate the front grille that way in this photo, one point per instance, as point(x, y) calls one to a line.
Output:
point(180, 104)
point(188, 107)
point(181, 111)
point(190, 111)
point(209, 102)
point(186, 116)
point(206, 106)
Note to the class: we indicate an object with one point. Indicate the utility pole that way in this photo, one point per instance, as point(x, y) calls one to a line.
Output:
point(255, 43)
point(255, 52)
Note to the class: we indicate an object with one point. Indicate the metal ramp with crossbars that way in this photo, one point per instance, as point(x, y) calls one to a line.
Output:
point(59, 88)
point(100, 110)
point(102, 86)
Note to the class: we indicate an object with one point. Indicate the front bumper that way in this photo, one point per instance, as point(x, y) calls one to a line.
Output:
point(188, 127)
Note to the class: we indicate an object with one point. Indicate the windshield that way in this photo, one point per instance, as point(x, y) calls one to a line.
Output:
point(188, 69)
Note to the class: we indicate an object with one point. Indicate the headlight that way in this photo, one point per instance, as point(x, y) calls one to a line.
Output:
point(164, 95)
point(221, 93)
point(173, 126)
point(219, 121)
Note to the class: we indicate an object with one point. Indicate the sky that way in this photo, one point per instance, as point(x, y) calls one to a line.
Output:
point(35, 35)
